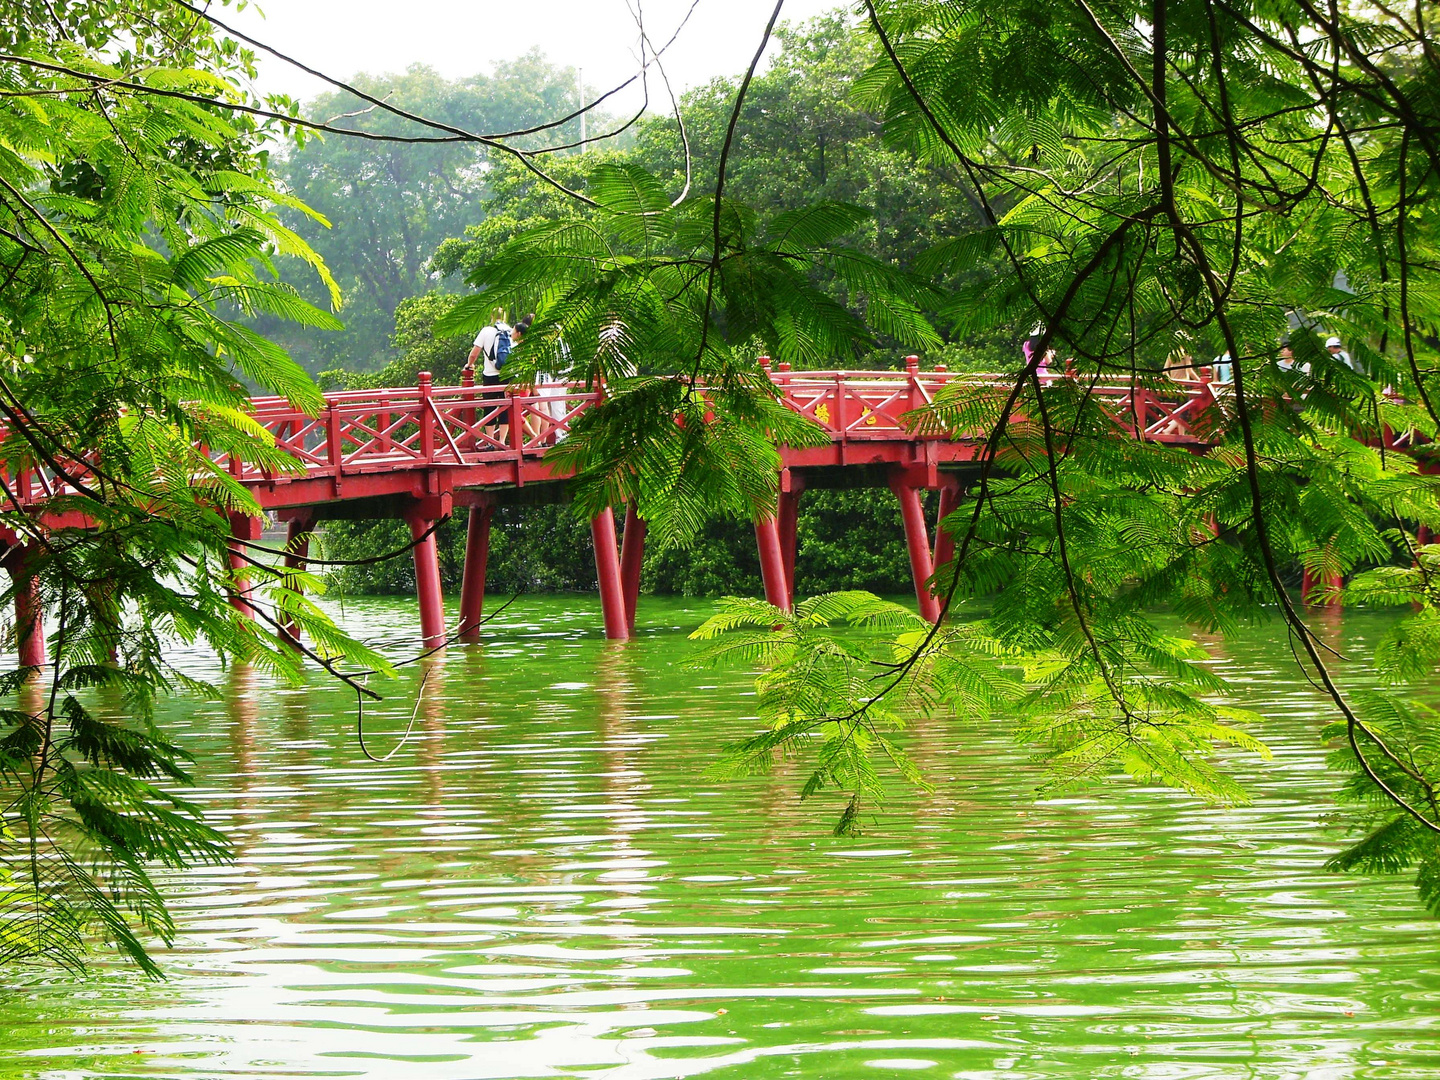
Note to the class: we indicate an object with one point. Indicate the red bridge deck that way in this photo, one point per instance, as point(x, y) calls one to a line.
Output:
point(431, 441)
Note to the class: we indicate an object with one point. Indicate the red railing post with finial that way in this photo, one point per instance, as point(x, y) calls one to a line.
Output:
point(912, 373)
point(425, 419)
point(334, 448)
point(467, 414)
point(1205, 401)
point(517, 420)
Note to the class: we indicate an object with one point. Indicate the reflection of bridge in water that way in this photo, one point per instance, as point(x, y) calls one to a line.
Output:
point(421, 453)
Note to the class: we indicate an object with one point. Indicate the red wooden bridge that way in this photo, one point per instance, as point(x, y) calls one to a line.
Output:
point(422, 453)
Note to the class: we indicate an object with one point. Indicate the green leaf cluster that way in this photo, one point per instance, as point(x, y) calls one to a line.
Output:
point(635, 296)
point(137, 217)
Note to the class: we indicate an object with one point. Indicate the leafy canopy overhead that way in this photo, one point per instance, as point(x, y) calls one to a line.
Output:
point(636, 294)
point(1156, 182)
point(136, 219)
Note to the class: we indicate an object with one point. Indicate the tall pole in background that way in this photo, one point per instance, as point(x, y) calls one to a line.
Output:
point(580, 94)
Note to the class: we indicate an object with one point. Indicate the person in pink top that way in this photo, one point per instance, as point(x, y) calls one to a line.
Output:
point(1027, 350)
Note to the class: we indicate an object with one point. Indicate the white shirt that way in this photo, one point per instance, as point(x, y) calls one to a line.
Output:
point(485, 342)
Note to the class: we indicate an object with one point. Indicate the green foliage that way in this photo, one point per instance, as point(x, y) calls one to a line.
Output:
point(1144, 713)
point(1392, 759)
point(130, 220)
point(1410, 651)
point(621, 296)
point(804, 136)
point(390, 205)
point(1141, 180)
point(85, 823)
point(517, 200)
point(417, 349)
point(818, 689)
point(532, 549)
point(846, 540)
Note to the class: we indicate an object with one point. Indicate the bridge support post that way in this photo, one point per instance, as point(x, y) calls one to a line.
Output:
point(1330, 596)
point(772, 563)
point(477, 558)
point(632, 555)
point(244, 529)
point(786, 524)
point(607, 573)
point(427, 580)
point(297, 550)
point(29, 616)
point(944, 538)
point(917, 538)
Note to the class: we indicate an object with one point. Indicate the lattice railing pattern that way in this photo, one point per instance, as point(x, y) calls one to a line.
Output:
point(372, 431)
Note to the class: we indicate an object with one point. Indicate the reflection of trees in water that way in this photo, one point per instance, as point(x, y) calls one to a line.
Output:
point(1328, 622)
point(615, 689)
point(624, 784)
point(242, 715)
point(933, 739)
point(296, 712)
point(399, 772)
point(430, 738)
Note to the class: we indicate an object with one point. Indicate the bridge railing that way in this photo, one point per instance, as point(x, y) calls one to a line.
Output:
point(363, 431)
point(369, 431)
point(872, 405)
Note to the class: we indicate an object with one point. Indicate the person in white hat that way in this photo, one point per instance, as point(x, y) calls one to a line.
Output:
point(1336, 348)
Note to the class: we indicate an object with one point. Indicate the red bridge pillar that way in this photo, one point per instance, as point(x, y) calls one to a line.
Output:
point(607, 572)
point(29, 615)
point(772, 563)
point(298, 528)
point(632, 555)
point(917, 538)
point(427, 578)
point(792, 486)
point(944, 538)
point(244, 529)
point(1332, 585)
point(477, 558)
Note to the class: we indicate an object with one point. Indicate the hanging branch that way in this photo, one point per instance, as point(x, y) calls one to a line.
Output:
point(715, 241)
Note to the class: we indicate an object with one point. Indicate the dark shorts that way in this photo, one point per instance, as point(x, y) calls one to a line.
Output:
point(490, 380)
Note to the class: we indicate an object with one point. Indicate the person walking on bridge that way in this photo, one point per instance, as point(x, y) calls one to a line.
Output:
point(541, 419)
point(493, 343)
point(1180, 368)
point(1336, 348)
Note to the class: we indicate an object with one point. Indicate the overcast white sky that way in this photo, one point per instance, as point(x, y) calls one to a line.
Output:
point(464, 37)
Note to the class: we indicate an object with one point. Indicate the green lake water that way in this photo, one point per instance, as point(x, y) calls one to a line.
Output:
point(543, 882)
